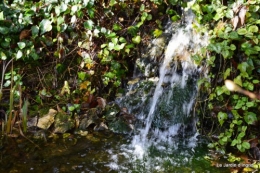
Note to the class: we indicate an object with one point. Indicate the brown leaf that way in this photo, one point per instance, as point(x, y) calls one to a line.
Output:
point(235, 21)
point(242, 15)
point(101, 102)
point(25, 34)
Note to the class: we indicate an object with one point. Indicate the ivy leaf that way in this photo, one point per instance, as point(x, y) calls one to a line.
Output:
point(238, 80)
point(229, 13)
point(3, 56)
point(253, 28)
point(136, 39)
point(246, 145)
point(119, 47)
point(157, 33)
point(4, 30)
point(21, 45)
point(234, 142)
point(122, 40)
point(19, 54)
point(45, 26)
point(116, 27)
point(242, 31)
point(250, 118)
point(110, 75)
point(227, 73)
point(88, 24)
point(222, 117)
point(142, 7)
point(35, 30)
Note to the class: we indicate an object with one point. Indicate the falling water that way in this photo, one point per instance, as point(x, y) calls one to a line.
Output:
point(180, 48)
point(156, 133)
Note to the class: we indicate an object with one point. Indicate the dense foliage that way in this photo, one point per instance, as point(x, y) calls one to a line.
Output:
point(71, 51)
point(233, 53)
point(58, 52)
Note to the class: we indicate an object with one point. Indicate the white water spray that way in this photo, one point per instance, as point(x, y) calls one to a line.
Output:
point(180, 48)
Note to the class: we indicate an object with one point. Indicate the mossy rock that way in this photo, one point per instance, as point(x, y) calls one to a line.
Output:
point(63, 123)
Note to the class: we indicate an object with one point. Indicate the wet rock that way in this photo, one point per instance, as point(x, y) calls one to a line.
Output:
point(63, 122)
point(91, 117)
point(47, 120)
point(102, 126)
point(118, 120)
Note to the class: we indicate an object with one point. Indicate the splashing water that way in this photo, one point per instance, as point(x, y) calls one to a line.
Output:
point(158, 134)
point(182, 44)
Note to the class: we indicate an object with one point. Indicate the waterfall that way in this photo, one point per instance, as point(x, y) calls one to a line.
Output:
point(181, 46)
point(163, 105)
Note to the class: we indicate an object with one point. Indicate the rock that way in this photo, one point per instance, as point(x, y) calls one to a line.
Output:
point(63, 123)
point(102, 126)
point(47, 120)
point(91, 117)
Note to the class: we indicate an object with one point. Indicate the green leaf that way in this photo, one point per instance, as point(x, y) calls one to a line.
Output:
point(211, 145)
point(116, 27)
point(242, 31)
point(227, 73)
point(253, 28)
point(175, 18)
point(89, 24)
point(119, 47)
point(157, 32)
point(110, 75)
point(232, 47)
point(222, 117)
point(142, 7)
point(122, 40)
point(239, 104)
point(246, 145)
point(250, 118)
point(241, 135)
point(250, 104)
point(3, 56)
point(45, 26)
point(35, 30)
point(233, 35)
point(238, 80)
point(229, 14)
point(111, 46)
point(19, 54)
point(112, 3)
point(81, 75)
point(136, 39)
point(21, 45)
point(234, 142)
point(60, 20)
point(4, 30)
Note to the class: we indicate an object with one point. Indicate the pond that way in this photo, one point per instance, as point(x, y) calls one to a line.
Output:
point(99, 152)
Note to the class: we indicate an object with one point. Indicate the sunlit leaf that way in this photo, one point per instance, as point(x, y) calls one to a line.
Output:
point(3, 56)
point(253, 28)
point(19, 54)
point(45, 26)
point(89, 24)
point(21, 45)
point(242, 31)
point(136, 39)
point(157, 32)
